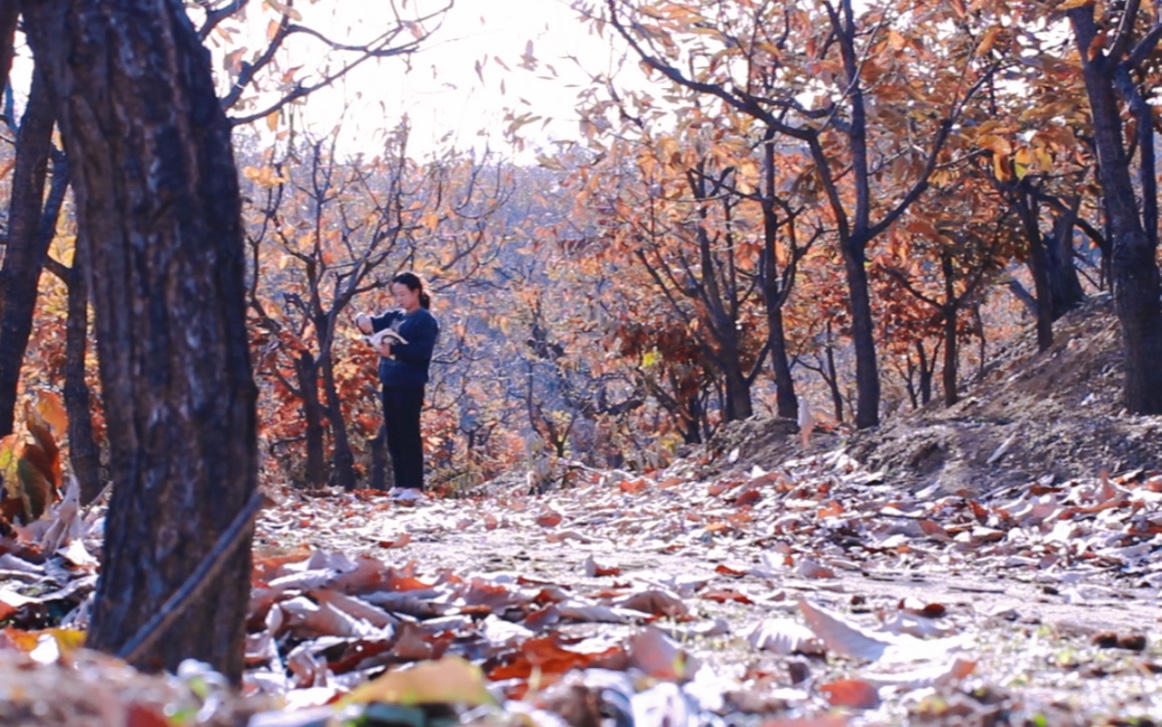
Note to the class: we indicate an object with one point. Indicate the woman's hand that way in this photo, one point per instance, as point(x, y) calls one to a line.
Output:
point(384, 347)
point(363, 323)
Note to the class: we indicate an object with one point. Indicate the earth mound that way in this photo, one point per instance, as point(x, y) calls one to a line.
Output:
point(1051, 416)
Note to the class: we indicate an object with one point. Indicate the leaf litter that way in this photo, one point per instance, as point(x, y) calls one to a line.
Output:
point(750, 583)
point(810, 594)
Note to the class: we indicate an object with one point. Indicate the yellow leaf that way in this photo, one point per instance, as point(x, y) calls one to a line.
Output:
point(51, 409)
point(1071, 4)
point(68, 640)
point(272, 121)
point(450, 680)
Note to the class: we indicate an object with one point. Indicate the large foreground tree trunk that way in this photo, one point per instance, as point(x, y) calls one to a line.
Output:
point(160, 224)
point(1134, 227)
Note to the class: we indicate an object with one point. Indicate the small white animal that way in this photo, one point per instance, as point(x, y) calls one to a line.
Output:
point(387, 335)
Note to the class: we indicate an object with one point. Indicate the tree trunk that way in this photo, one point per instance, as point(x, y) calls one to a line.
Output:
point(833, 378)
point(738, 403)
point(381, 476)
point(926, 370)
point(951, 308)
point(159, 219)
point(27, 244)
point(787, 403)
point(909, 382)
point(1133, 268)
point(84, 454)
point(342, 459)
point(692, 421)
point(951, 357)
point(1064, 284)
point(1027, 210)
point(307, 373)
point(867, 378)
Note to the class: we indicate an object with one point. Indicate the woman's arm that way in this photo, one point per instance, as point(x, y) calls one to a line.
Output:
point(378, 323)
point(421, 341)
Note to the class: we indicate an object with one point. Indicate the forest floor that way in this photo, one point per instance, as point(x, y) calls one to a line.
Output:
point(992, 563)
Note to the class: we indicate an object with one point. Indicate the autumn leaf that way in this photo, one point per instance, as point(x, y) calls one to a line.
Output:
point(855, 693)
point(450, 680)
point(988, 40)
point(284, 9)
point(232, 61)
point(549, 518)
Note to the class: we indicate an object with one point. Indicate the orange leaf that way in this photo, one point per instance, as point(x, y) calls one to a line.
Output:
point(140, 715)
point(748, 497)
point(549, 518)
point(633, 486)
point(831, 508)
point(851, 693)
point(722, 595)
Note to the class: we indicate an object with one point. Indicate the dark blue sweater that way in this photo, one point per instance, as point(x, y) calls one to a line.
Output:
point(409, 363)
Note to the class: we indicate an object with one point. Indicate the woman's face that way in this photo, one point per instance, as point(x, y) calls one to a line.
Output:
point(405, 297)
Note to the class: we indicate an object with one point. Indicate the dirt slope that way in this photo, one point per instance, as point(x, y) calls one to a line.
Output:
point(1052, 416)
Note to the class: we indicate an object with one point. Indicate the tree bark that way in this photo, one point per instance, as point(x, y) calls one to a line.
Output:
point(833, 378)
point(84, 454)
point(381, 476)
point(951, 358)
point(1133, 268)
point(307, 372)
point(927, 369)
point(1064, 284)
point(1030, 215)
point(950, 312)
point(9, 17)
point(159, 219)
point(867, 378)
point(787, 403)
point(27, 243)
point(342, 459)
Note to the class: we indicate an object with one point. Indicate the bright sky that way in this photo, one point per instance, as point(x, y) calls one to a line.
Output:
point(444, 95)
point(448, 101)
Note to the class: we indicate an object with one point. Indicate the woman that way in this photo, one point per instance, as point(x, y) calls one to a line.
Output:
point(403, 371)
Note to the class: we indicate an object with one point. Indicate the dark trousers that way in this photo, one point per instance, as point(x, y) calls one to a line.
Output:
point(401, 417)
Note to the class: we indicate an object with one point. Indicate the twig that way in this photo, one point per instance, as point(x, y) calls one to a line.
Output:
point(205, 574)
